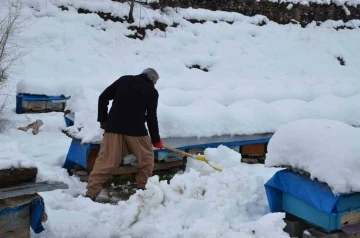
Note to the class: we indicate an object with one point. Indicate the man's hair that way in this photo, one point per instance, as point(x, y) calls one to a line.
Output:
point(151, 73)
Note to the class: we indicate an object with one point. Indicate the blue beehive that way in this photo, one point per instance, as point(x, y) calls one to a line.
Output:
point(39, 103)
point(78, 153)
point(16, 217)
point(310, 200)
point(164, 154)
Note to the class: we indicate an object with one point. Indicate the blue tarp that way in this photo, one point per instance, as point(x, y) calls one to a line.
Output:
point(37, 208)
point(37, 97)
point(68, 122)
point(310, 191)
point(34, 97)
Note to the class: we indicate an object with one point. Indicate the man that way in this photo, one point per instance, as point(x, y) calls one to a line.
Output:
point(135, 101)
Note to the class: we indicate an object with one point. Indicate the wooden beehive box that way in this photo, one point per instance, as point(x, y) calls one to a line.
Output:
point(15, 176)
point(33, 106)
point(165, 156)
point(195, 151)
point(14, 216)
point(253, 150)
point(55, 105)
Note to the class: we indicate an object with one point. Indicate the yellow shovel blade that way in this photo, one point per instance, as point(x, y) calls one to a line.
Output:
point(202, 158)
point(197, 157)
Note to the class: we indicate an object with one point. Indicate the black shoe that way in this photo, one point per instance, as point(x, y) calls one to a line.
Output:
point(92, 198)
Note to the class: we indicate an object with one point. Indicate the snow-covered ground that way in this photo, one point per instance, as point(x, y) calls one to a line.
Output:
point(199, 203)
point(260, 78)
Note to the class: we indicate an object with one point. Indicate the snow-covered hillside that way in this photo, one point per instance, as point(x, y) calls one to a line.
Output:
point(245, 61)
point(254, 72)
point(253, 78)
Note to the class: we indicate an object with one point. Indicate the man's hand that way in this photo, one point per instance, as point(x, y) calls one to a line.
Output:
point(158, 144)
point(102, 125)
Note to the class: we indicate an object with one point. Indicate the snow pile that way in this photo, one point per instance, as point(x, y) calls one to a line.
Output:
point(84, 106)
point(10, 157)
point(333, 24)
point(328, 150)
point(231, 203)
point(226, 204)
point(46, 151)
point(251, 116)
point(202, 203)
point(208, 118)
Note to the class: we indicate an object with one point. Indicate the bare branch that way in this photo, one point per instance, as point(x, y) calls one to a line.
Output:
point(10, 50)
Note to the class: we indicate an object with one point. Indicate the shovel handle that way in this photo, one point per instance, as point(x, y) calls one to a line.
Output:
point(190, 155)
point(178, 151)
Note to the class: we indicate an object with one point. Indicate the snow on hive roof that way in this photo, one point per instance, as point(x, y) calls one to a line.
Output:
point(328, 150)
point(10, 157)
point(206, 118)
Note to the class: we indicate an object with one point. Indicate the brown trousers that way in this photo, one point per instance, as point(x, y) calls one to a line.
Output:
point(114, 148)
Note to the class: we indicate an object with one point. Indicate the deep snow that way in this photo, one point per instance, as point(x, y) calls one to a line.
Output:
point(257, 74)
point(201, 203)
point(327, 149)
point(259, 79)
point(207, 117)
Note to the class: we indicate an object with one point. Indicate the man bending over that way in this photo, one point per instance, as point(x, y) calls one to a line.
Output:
point(135, 101)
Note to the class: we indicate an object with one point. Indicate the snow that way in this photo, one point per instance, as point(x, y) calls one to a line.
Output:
point(206, 117)
point(327, 149)
point(83, 106)
point(260, 79)
point(23, 149)
point(11, 158)
point(201, 202)
point(239, 95)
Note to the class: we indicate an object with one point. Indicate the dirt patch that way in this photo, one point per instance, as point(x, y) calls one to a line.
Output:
point(104, 15)
point(194, 21)
point(121, 187)
point(280, 13)
point(341, 60)
point(63, 8)
point(343, 28)
point(140, 31)
point(196, 66)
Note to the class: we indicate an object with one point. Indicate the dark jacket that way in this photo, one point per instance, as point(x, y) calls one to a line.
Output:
point(135, 101)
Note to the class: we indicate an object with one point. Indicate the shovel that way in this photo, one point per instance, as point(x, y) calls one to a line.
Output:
point(197, 157)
